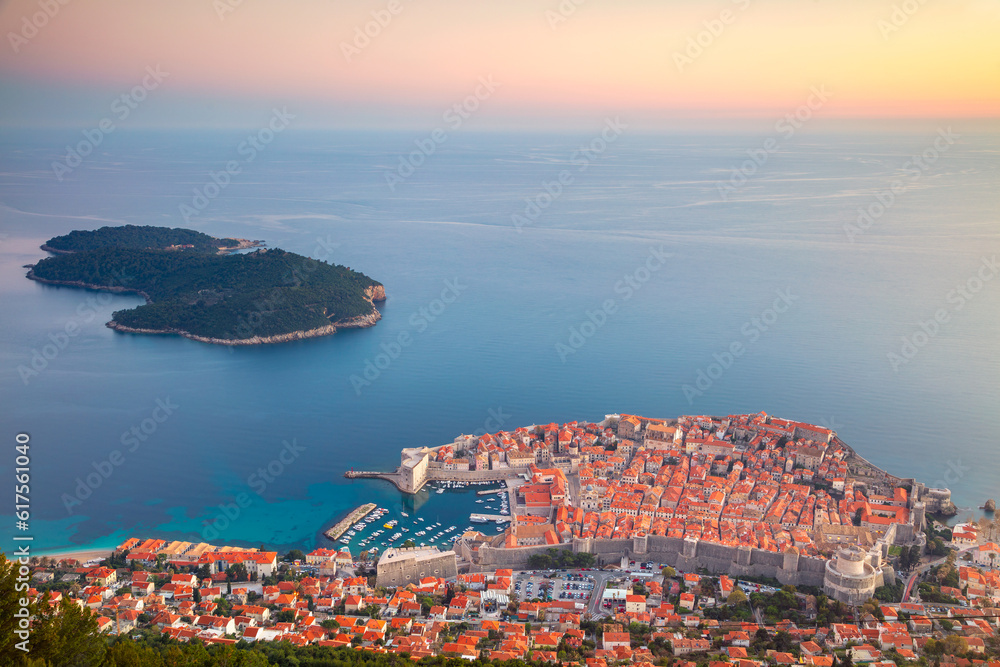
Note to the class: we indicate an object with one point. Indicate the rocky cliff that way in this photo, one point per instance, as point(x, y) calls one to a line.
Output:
point(256, 340)
point(375, 293)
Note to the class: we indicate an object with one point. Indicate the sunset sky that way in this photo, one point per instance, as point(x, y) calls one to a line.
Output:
point(230, 61)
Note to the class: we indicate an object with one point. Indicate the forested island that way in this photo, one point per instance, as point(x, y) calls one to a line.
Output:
point(143, 237)
point(195, 287)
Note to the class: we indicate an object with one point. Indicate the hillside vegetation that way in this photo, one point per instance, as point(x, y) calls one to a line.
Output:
point(226, 297)
point(138, 238)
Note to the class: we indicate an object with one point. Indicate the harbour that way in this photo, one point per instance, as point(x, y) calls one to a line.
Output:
point(483, 518)
point(344, 524)
point(434, 517)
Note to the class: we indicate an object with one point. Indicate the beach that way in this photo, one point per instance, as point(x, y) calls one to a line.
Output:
point(83, 556)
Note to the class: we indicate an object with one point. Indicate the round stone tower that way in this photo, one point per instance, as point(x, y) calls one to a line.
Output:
point(850, 577)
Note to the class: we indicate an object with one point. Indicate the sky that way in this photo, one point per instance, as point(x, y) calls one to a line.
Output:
point(383, 64)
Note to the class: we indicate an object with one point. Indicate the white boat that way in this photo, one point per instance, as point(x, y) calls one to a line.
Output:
point(404, 514)
point(440, 491)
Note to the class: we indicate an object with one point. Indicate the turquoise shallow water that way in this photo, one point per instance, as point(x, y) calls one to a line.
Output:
point(498, 353)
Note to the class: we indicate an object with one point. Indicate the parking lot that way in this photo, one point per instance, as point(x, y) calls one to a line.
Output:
point(559, 586)
point(573, 587)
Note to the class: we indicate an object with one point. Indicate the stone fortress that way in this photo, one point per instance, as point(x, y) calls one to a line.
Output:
point(851, 576)
point(402, 566)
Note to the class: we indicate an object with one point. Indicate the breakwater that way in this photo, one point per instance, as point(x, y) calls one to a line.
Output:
point(341, 526)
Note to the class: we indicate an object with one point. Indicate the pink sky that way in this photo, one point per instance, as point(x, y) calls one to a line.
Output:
point(624, 56)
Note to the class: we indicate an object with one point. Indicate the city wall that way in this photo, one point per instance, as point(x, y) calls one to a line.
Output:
point(440, 474)
point(684, 555)
point(405, 570)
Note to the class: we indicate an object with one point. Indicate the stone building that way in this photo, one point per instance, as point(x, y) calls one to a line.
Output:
point(413, 468)
point(853, 575)
point(630, 427)
point(398, 567)
point(936, 501)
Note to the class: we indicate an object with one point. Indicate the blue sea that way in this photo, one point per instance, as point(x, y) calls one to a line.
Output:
point(537, 278)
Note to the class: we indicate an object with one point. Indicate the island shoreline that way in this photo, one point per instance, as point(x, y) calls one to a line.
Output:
point(373, 293)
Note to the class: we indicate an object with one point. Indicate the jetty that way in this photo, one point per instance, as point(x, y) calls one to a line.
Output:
point(393, 477)
point(483, 518)
point(341, 526)
point(488, 492)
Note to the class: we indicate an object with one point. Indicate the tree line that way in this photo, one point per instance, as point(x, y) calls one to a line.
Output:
point(220, 296)
point(138, 237)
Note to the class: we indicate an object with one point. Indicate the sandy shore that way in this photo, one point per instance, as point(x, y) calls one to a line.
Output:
point(82, 556)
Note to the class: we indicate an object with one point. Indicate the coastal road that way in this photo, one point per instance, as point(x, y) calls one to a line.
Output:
point(601, 579)
point(600, 582)
point(924, 568)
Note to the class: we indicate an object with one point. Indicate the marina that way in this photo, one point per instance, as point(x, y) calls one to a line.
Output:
point(445, 511)
point(345, 524)
point(484, 518)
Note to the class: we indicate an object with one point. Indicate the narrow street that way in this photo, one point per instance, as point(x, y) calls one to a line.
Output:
point(923, 568)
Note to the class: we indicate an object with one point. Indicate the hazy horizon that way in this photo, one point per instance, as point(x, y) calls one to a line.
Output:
point(396, 64)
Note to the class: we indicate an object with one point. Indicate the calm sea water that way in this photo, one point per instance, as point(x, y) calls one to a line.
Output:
point(518, 344)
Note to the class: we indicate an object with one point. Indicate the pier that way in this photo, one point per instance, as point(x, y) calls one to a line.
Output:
point(393, 477)
point(488, 492)
point(341, 527)
point(483, 518)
